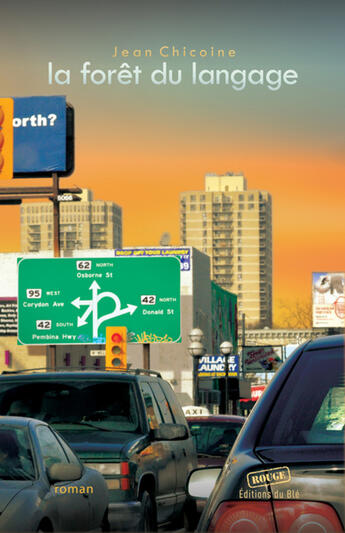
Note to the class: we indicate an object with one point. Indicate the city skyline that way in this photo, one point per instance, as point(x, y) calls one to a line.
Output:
point(141, 146)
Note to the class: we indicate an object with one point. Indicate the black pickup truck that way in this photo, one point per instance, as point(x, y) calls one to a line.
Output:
point(127, 425)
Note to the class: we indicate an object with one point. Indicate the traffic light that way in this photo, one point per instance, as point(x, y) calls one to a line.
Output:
point(116, 348)
point(6, 138)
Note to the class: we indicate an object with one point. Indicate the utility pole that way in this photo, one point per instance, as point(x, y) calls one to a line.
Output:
point(15, 196)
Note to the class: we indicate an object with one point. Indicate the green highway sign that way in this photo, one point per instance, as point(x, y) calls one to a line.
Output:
point(72, 301)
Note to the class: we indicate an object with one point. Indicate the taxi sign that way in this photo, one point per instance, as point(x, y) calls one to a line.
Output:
point(195, 410)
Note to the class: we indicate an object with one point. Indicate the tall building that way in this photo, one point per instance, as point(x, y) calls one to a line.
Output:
point(233, 226)
point(83, 225)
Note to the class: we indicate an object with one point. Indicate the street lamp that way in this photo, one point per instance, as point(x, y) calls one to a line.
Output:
point(196, 350)
point(226, 349)
point(196, 334)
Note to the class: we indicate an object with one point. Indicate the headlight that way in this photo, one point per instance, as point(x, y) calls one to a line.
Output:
point(107, 469)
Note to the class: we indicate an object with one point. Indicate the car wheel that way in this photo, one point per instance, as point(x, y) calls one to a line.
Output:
point(148, 519)
point(45, 527)
point(105, 526)
point(190, 516)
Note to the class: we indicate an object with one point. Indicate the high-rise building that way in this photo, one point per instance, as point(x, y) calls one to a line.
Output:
point(83, 225)
point(233, 226)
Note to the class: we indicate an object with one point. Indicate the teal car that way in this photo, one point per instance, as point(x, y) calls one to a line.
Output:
point(43, 484)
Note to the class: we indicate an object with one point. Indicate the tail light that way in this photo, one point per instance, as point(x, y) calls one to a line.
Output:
point(306, 517)
point(243, 517)
point(125, 484)
point(289, 516)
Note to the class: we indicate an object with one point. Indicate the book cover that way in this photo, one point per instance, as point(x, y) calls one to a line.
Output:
point(165, 93)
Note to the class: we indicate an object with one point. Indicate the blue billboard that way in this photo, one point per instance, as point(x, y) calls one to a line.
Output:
point(39, 134)
point(214, 366)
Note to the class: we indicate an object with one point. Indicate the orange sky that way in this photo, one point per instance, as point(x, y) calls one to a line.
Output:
point(307, 193)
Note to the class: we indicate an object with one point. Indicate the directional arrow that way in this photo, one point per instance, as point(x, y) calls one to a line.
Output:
point(129, 309)
point(78, 302)
point(93, 304)
point(82, 320)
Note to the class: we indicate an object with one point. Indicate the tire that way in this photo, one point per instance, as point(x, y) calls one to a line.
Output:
point(105, 526)
point(147, 521)
point(44, 527)
point(188, 518)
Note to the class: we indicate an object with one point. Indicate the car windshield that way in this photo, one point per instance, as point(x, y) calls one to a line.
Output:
point(214, 438)
point(74, 405)
point(15, 454)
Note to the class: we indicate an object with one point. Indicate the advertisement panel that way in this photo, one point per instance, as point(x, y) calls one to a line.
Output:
point(328, 299)
point(257, 392)
point(261, 358)
point(39, 134)
point(214, 366)
point(8, 317)
point(183, 254)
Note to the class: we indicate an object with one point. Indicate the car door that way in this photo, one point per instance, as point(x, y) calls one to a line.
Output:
point(67, 500)
point(178, 447)
point(185, 451)
point(96, 489)
point(161, 460)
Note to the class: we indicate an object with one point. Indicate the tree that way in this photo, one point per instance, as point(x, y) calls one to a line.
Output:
point(293, 314)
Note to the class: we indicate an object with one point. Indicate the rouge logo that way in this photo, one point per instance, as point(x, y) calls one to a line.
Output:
point(273, 476)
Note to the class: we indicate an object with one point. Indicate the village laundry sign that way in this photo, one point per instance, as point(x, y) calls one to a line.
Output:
point(214, 366)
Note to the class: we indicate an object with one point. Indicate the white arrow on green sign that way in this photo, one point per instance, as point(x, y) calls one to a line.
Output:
point(72, 301)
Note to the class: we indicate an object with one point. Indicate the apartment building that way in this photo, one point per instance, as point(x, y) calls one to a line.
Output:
point(233, 225)
point(87, 224)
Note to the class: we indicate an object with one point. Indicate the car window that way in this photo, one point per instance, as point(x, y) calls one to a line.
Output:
point(162, 403)
point(310, 407)
point(152, 411)
point(74, 405)
point(214, 438)
point(51, 449)
point(16, 461)
point(72, 458)
point(174, 404)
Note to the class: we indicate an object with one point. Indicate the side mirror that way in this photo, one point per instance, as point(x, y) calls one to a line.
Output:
point(170, 432)
point(201, 481)
point(64, 472)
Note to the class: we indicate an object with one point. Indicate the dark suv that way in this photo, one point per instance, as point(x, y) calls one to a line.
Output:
point(127, 425)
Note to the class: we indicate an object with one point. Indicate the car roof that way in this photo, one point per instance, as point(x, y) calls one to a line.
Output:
point(331, 341)
point(216, 418)
point(73, 375)
point(22, 421)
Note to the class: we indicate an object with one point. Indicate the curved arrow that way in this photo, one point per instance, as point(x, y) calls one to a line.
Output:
point(93, 308)
point(129, 309)
point(98, 321)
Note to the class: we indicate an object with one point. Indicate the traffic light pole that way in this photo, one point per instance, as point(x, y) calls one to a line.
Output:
point(57, 251)
point(146, 356)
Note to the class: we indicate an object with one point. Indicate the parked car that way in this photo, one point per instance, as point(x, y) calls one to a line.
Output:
point(214, 436)
point(43, 485)
point(127, 425)
point(286, 470)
